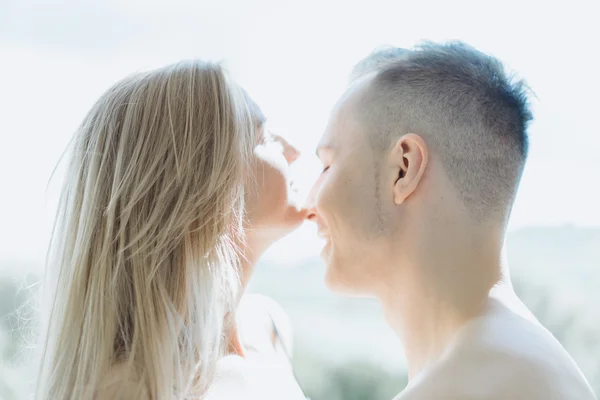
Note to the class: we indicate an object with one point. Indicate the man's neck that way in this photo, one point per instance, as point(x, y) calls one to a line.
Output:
point(435, 292)
point(426, 331)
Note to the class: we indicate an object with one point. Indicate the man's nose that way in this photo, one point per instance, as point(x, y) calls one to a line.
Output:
point(311, 203)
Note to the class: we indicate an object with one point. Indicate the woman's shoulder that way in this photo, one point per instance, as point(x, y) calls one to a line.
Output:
point(264, 327)
point(232, 379)
point(239, 378)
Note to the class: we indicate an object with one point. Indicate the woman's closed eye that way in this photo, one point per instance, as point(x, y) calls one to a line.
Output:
point(268, 138)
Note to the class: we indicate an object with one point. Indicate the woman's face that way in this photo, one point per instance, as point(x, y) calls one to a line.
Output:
point(272, 211)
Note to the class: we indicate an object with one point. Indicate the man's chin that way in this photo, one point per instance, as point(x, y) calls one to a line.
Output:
point(333, 281)
point(342, 285)
point(325, 254)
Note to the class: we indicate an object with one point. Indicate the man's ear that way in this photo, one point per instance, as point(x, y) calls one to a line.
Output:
point(409, 157)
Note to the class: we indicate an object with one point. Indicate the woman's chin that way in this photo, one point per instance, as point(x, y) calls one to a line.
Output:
point(287, 227)
point(267, 235)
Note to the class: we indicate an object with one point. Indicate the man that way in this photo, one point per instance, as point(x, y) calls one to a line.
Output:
point(422, 159)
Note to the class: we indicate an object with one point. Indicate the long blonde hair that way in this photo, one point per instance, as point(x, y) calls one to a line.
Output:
point(143, 259)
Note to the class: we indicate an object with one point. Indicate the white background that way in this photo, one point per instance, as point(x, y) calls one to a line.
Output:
point(57, 57)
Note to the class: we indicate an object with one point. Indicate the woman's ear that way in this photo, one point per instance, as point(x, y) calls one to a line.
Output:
point(409, 157)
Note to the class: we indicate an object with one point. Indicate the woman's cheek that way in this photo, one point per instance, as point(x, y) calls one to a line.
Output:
point(268, 196)
point(278, 192)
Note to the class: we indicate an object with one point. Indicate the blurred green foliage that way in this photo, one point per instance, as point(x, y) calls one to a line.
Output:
point(555, 272)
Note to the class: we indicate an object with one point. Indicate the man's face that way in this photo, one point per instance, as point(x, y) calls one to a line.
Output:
point(346, 202)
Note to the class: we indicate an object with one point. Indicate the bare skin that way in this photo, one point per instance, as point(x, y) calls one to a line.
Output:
point(397, 230)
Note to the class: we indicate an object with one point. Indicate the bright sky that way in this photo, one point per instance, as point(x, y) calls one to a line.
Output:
point(293, 58)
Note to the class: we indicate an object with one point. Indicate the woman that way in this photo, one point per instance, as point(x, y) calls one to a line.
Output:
point(258, 365)
point(146, 252)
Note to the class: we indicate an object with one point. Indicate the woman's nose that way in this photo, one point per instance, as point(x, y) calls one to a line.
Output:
point(290, 153)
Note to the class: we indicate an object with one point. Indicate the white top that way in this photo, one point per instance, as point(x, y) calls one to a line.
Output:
point(266, 371)
point(239, 378)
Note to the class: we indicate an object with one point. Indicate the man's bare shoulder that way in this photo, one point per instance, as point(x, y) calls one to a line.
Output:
point(500, 356)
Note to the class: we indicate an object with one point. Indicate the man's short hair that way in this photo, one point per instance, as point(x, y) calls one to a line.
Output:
point(376, 60)
point(466, 107)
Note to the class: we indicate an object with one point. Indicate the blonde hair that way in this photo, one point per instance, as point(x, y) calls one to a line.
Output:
point(143, 257)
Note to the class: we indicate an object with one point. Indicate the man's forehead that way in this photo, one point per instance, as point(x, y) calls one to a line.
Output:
point(343, 128)
point(343, 117)
point(334, 125)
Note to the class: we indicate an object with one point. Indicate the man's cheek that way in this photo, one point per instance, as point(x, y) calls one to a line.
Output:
point(357, 207)
point(330, 198)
